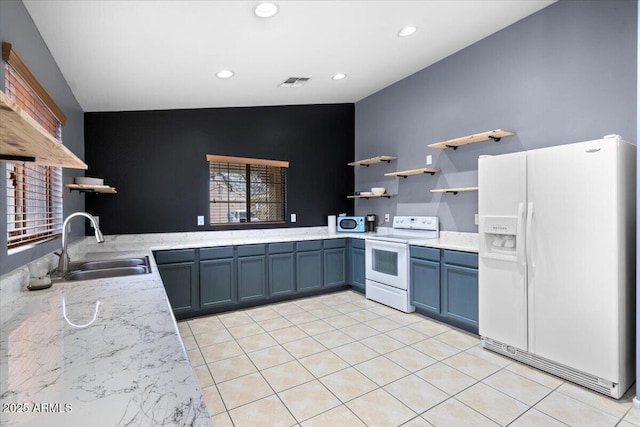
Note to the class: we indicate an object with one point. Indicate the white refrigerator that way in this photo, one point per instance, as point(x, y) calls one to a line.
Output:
point(557, 260)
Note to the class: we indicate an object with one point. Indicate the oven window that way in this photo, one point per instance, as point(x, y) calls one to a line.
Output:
point(385, 262)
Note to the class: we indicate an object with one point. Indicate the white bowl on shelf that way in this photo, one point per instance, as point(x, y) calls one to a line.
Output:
point(378, 191)
point(85, 180)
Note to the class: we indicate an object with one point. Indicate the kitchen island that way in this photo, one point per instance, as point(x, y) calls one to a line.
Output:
point(128, 366)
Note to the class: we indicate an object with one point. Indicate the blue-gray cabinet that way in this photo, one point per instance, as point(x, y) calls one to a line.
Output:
point(218, 286)
point(424, 273)
point(460, 288)
point(281, 267)
point(179, 272)
point(444, 285)
point(335, 262)
point(252, 269)
point(309, 265)
point(356, 264)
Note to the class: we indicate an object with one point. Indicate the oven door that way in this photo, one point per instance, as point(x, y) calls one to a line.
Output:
point(387, 263)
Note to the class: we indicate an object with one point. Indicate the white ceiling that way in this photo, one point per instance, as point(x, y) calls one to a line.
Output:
point(149, 55)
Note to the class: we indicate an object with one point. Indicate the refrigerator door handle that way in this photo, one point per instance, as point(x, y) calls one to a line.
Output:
point(529, 236)
point(520, 237)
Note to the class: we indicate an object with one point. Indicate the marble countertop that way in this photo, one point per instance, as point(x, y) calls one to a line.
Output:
point(128, 366)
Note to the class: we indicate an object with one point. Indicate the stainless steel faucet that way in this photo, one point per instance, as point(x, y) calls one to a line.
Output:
point(63, 264)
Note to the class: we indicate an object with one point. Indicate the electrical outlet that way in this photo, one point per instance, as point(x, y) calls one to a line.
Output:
point(294, 217)
point(386, 217)
point(429, 159)
point(200, 220)
point(476, 219)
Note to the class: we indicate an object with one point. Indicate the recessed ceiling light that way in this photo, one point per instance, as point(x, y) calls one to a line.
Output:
point(266, 9)
point(339, 76)
point(224, 74)
point(407, 31)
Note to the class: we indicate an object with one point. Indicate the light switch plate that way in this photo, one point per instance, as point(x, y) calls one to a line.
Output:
point(476, 218)
point(200, 220)
point(294, 217)
point(429, 159)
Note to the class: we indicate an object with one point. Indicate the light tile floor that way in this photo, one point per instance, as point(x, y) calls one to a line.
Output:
point(340, 360)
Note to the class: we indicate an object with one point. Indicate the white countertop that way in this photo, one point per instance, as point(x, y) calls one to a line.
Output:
point(129, 367)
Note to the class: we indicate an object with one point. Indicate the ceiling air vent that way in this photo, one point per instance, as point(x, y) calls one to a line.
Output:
point(295, 82)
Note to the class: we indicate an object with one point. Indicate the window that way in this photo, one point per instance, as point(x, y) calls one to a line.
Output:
point(34, 192)
point(244, 190)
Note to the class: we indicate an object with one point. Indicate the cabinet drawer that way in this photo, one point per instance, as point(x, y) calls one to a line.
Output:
point(216, 253)
point(310, 245)
point(251, 250)
point(429, 254)
point(357, 243)
point(334, 243)
point(281, 248)
point(173, 256)
point(467, 259)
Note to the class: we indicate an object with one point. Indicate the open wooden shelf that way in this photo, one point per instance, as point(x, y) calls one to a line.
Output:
point(23, 139)
point(454, 190)
point(410, 172)
point(373, 196)
point(367, 162)
point(91, 188)
point(496, 135)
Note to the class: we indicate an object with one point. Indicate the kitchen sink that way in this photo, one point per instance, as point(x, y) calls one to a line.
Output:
point(104, 269)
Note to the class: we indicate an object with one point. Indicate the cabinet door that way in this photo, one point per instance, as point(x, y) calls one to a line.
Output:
point(424, 284)
point(357, 269)
point(309, 270)
point(335, 267)
point(217, 282)
point(282, 279)
point(181, 284)
point(252, 283)
point(460, 295)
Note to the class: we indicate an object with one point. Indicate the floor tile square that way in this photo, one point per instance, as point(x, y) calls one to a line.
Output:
point(339, 416)
point(417, 422)
point(346, 307)
point(354, 353)
point(195, 357)
point(261, 314)
point(407, 335)
point(269, 357)
point(359, 331)
point(382, 343)
point(184, 329)
point(256, 342)
point(405, 319)
point(410, 359)
point(316, 327)
point(452, 413)
point(308, 400)
point(235, 318)
point(633, 416)
point(348, 384)
point(457, 339)
point(267, 412)
point(287, 308)
point(383, 324)
point(491, 403)
point(213, 400)
point(287, 375)
point(304, 347)
point(323, 363)
point(572, 412)
point(526, 391)
point(447, 379)
point(290, 333)
point(341, 321)
point(222, 420)
point(362, 315)
point(242, 390)
point(300, 318)
point(189, 342)
point(203, 325)
point(324, 313)
point(382, 310)
point(534, 418)
point(379, 408)
point(472, 365)
point(333, 339)
point(381, 370)
point(234, 367)
point(245, 330)
point(490, 356)
point(614, 407)
point(274, 323)
point(220, 351)
point(430, 327)
point(204, 376)
point(416, 393)
point(436, 349)
point(212, 337)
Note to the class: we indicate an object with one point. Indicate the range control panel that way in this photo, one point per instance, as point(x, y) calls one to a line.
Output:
point(430, 223)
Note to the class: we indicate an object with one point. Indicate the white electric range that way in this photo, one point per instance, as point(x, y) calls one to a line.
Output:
point(387, 260)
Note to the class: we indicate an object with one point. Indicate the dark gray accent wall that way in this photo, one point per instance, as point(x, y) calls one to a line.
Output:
point(17, 28)
point(564, 74)
point(157, 162)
